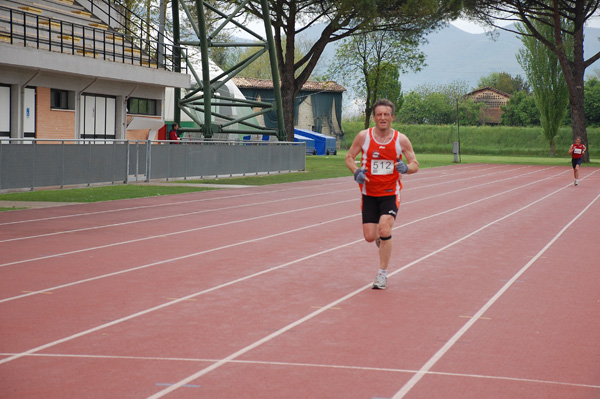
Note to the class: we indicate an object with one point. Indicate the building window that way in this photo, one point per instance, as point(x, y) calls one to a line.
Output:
point(62, 99)
point(142, 106)
point(4, 111)
point(98, 117)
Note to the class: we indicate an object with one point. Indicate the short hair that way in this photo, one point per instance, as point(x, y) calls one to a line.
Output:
point(384, 102)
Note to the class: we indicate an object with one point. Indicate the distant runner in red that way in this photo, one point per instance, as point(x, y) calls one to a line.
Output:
point(577, 150)
point(378, 177)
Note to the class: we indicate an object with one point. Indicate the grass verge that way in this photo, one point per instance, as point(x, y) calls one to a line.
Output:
point(317, 167)
point(97, 194)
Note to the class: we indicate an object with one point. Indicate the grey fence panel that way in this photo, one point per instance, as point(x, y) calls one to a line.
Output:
point(159, 161)
point(263, 156)
point(136, 159)
point(240, 158)
point(225, 160)
point(177, 160)
point(51, 160)
point(77, 164)
point(16, 169)
point(296, 158)
point(24, 164)
point(108, 163)
point(202, 160)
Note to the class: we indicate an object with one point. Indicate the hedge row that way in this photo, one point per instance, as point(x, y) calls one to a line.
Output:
point(484, 140)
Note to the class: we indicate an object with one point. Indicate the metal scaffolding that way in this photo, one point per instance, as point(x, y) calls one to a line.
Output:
point(204, 103)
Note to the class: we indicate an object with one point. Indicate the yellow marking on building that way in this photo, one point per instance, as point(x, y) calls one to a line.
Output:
point(31, 9)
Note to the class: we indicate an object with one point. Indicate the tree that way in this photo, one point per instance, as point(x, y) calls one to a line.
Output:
point(436, 104)
point(385, 83)
point(503, 81)
point(340, 19)
point(573, 63)
point(547, 81)
point(592, 101)
point(520, 110)
point(412, 109)
point(261, 67)
point(371, 62)
point(469, 112)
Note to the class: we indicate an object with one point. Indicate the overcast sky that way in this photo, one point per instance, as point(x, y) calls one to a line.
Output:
point(463, 24)
point(472, 27)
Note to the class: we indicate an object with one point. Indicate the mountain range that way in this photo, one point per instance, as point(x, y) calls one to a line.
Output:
point(455, 55)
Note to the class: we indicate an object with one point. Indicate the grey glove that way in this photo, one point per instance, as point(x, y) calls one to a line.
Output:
point(401, 167)
point(359, 176)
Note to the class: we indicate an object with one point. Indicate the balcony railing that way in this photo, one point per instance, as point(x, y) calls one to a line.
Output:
point(26, 29)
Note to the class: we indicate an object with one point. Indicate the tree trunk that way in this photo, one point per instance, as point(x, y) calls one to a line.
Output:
point(574, 72)
point(578, 125)
point(574, 75)
point(287, 101)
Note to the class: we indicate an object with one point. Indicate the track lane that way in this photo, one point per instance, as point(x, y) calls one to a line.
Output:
point(313, 279)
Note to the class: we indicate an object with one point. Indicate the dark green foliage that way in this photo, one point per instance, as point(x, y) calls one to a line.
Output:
point(520, 110)
point(592, 102)
point(484, 140)
point(503, 81)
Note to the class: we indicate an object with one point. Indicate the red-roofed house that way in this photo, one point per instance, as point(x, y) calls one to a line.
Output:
point(494, 99)
point(318, 105)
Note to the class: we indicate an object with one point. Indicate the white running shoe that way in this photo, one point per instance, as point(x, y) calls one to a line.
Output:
point(380, 281)
point(576, 182)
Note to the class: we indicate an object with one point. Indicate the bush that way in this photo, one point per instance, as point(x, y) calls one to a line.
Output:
point(484, 140)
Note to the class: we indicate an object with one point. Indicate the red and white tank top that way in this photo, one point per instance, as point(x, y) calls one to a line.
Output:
point(378, 160)
point(577, 151)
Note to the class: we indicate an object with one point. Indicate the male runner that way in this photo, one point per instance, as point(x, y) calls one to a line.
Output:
point(576, 150)
point(379, 179)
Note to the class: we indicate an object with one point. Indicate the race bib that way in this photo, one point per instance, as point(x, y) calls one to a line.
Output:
point(577, 151)
point(382, 167)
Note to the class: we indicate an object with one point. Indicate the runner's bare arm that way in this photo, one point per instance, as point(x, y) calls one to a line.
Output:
point(409, 155)
point(354, 150)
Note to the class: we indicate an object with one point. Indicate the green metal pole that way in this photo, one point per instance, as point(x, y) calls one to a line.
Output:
point(206, 87)
point(281, 135)
point(176, 59)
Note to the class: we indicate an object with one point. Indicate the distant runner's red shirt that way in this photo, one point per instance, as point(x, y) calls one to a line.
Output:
point(378, 160)
point(577, 151)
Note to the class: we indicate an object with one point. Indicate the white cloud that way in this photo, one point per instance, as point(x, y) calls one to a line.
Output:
point(473, 27)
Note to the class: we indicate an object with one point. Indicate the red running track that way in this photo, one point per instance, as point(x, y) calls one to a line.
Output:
point(264, 292)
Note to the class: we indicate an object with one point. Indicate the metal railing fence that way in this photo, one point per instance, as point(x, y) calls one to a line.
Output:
point(44, 33)
point(34, 163)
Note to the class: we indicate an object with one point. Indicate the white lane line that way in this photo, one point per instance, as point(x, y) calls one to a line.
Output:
point(160, 218)
point(203, 211)
point(309, 365)
point(450, 343)
point(180, 258)
point(281, 331)
point(173, 302)
point(242, 242)
point(168, 204)
point(257, 343)
point(159, 236)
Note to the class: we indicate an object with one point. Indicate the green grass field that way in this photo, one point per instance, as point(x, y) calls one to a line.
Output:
point(317, 167)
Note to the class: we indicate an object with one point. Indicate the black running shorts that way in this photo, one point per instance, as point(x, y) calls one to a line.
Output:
point(374, 207)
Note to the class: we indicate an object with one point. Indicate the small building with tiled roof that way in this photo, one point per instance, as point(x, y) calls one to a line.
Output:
point(494, 99)
point(318, 105)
